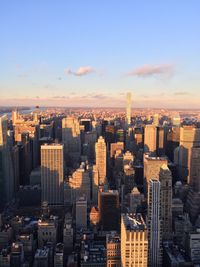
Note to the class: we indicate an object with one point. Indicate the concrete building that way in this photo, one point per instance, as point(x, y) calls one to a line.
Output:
point(108, 204)
point(6, 236)
point(176, 120)
point(59, 255)
point(94, 216)
point(16, 255)
point(47, 231)
point(71, 140)
point(134, 241)
point(52, 171)
point(189, 138)
point(113, 250)
point(136, 199)
point(68, 234)
point(165, 179)
point(156, 119)
point(4, 258)
point(80, 183)
point(100, 149)
point(152, 167)
point(6, 166)
point(114, 147)
point(95, 184)
point(93, 254)
point(193, 246)
point(150, 137)
point(81, 213)
point(154, 224)
point(41, 258)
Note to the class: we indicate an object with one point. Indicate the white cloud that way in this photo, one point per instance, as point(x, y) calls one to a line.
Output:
point(84, 70)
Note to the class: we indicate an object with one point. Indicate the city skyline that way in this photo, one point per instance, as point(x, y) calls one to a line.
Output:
point(99, 133)
point(92, 54)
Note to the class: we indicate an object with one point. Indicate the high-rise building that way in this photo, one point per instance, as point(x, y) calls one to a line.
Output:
point(114, 147)
point(81, 213)
point(193, 246)
point(128, 108)
point(154, 224)
point(71, 139)
point(5, 258)
point(150, 138)
point(52, 173)
point(193, 196)
point(113, 250)
point(90, 140)
point(189, 138)
point(41, 258)
point(176, 120)
point(195, 169)
point(165, 179)
point(136, 199)
point(80, 183)
point(47, 231)
point(152, 167)
point(110, 134)
point(15, 116)
point(17, 255)
point(160, 138)
point(134, 241)
point(128, 178)
point(87, 123)
point(68, 234)
point(109, 210)
point(6, 166)
point(28, 131)
point(59, 255)
point(172, 141)
point(100, 149)
point(94, 216)
point(95, 184)
point(156, 119)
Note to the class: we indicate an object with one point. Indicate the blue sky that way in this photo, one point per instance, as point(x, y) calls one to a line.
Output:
point(90, 52)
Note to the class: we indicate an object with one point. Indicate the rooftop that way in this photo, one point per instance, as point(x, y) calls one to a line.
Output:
point(134, 221)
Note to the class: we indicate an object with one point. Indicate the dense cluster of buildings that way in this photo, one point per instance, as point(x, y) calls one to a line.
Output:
point(99, 188)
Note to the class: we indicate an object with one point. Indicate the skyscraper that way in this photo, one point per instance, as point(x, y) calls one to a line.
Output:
point(71, 139)
point(176, 120)
point(128, 108)
point(81, 212)
point(154, 224)
point(6, 166)
point(100, 149)
point(79, 183)
point(52, 173)
point(113, 249)
point(150, 138)
point(134, 241)
point(109, 209)
point(156, 119)
point(189, 138)
point(165, 179)
point(152, 167)
point(193, 197)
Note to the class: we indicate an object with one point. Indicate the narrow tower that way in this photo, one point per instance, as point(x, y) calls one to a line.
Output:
point(128, 108)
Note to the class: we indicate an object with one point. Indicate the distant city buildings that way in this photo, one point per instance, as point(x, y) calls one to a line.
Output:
point(100, 187)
